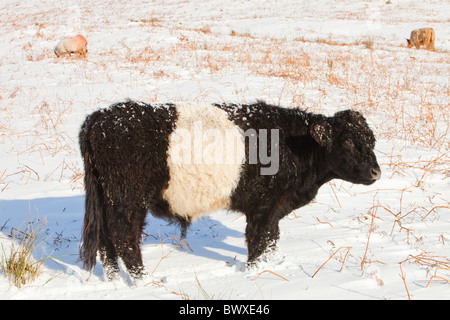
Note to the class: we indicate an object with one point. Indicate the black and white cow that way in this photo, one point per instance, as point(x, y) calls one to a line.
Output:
point(181, 161)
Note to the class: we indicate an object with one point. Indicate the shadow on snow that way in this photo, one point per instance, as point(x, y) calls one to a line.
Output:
point(63, 218)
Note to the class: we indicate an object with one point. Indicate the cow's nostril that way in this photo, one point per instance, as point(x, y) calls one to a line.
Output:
point(376, 174)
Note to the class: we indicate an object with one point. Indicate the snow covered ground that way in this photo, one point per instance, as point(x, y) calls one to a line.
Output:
point(387, 241)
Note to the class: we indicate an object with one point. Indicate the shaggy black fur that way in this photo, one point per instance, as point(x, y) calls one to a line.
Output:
point(313, 150)
point(124, 149)
point(125, 155)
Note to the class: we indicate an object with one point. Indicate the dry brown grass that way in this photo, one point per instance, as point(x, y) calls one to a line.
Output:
point(408, 112)
point(340, 259)
point(271, 272)
point(179, 244)
point(437, 268)
point(18, 264)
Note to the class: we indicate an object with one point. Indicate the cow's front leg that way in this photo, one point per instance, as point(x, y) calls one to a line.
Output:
point(261, 234)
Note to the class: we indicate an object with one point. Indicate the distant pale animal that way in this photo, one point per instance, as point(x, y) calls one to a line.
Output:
point(422, 37)
point(77, 44)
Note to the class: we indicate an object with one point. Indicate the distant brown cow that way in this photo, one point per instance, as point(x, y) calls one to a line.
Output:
point(422, 37)
point(76, 44)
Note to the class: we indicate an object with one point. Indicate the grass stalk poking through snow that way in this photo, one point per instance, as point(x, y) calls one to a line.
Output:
point(19, 266)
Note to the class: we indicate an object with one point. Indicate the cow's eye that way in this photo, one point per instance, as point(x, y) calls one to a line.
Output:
point(349, 143)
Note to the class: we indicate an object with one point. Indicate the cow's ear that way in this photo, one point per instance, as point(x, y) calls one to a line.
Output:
point(322, 133)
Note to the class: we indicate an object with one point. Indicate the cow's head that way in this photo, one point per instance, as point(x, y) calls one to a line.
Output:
point(409, 43)
point(349, 143)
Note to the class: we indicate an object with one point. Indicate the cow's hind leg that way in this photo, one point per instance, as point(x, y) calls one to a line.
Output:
point(108, 257)
point(107, 250)
point(129, 232)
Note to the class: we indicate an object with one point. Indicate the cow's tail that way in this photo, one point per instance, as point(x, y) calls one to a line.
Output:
point(93, 217)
